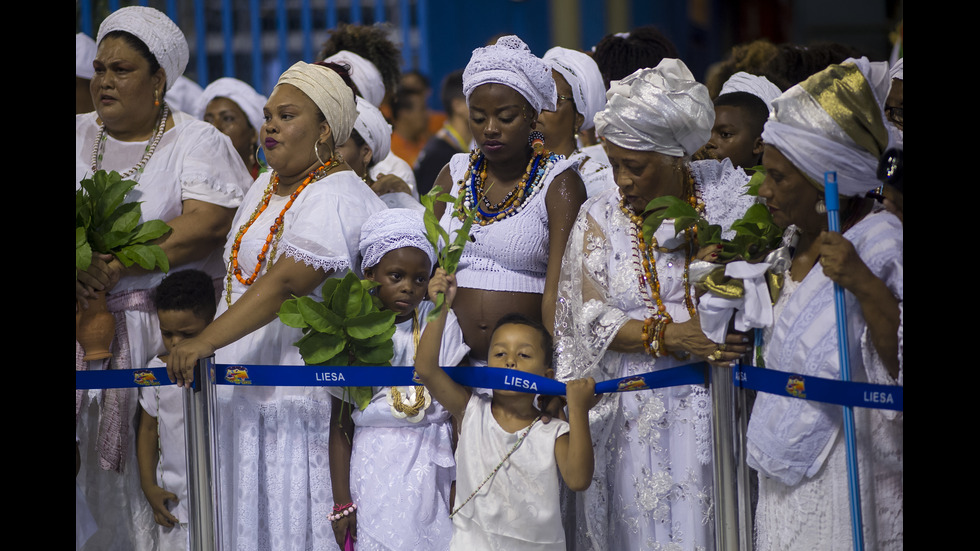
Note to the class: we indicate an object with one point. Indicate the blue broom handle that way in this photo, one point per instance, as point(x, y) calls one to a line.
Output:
point(832, 201)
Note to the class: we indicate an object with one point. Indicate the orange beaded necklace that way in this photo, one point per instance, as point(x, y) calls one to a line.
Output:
point(275, 231)
point(653, 328)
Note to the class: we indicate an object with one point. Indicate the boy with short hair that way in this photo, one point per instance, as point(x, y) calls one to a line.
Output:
point(737, 132)
point(185, 303)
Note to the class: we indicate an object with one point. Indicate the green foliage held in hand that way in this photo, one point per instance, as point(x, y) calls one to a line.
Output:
point(105, 224)
point(755, 236)
point(755, 232)
point(446, 256)
point(348, 328)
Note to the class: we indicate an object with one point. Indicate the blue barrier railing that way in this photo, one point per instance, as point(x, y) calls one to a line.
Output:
point(783, 383)
point(728, 455)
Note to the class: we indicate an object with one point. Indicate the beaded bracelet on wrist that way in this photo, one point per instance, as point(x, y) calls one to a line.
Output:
point(341, 511)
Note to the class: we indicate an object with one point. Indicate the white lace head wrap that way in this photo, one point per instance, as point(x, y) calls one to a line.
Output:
point(898, 69)
point(661, 109)
point(365, 75)
point(329, 92)
point(834, 121)
point(374, 129)
point(248, 100)
point(584, 77)
point(759, 87)
point(84, 56)
point(391, 229)
point(511, 63)
point(161, 35)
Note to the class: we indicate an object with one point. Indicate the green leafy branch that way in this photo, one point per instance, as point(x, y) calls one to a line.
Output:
point(105, 224)
point(447, 256)
point(348, 328)
point(755, 232)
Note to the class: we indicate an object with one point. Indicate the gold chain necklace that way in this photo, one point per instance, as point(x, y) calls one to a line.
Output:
point(411, 410)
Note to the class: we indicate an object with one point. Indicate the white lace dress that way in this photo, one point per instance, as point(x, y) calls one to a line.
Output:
point(652, 482)
point(400, 470)
point(273, 441)
point(803, 489)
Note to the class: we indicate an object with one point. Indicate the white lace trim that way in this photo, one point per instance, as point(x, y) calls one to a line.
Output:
point(336, 264)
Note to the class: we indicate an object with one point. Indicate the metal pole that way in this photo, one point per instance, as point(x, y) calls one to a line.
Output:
point(201, 473)
point(723, 459)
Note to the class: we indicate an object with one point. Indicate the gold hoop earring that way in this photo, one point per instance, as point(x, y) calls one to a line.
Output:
point(316, 150)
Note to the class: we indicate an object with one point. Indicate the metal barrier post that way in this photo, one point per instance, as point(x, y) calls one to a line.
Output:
point(723, 459)
point(743, 472)
point(201, 468)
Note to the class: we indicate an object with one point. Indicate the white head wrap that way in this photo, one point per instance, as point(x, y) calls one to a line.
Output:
point(245, 97)
point(834, 121)
point(184, 95)
point(391, 229)
point(375, 130)
point(365, 75)
point(329, 92)
point(84, 56)
point(661, 109)
point(584, 77)
point(759, 87)
point(898, 69)
point(161, 35)
point(511, 63)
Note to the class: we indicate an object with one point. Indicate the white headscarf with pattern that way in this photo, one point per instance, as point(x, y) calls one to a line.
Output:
point(162, 37)
point(511, 63)
point(392, 229)
point(834, 121)
point(661, 109)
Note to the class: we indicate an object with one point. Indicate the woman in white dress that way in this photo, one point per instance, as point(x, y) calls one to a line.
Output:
point(831, 121)
point(188, 175)
point(626, 307)
point(299, 225)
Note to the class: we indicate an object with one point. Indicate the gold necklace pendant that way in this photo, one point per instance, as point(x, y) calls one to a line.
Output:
point(412, 410)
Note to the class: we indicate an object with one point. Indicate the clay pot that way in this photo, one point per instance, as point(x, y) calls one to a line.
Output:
point(95, 328)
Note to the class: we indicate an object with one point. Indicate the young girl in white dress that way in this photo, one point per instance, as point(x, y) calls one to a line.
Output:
point(394, 459)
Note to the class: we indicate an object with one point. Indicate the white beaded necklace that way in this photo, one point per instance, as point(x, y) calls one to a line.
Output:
point(99, 146)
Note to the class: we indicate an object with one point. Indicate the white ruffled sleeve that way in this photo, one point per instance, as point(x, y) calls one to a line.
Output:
point(585, 321)
point(323, 226)
point(211, 169)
